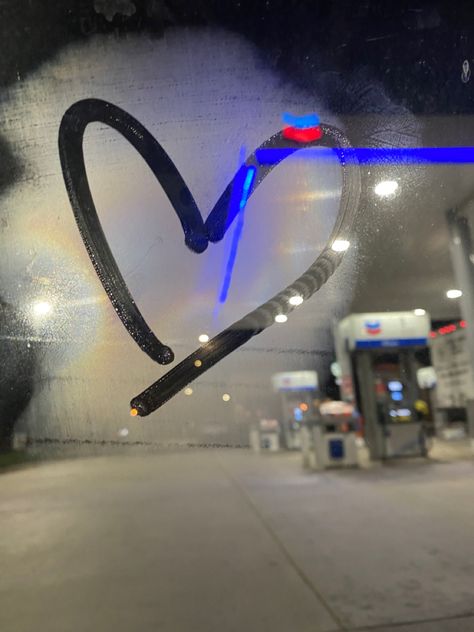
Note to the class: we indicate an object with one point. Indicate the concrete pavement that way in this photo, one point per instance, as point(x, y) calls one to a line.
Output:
point(228, 540)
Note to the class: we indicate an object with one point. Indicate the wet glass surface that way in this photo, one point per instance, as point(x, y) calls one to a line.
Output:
point(155, 221)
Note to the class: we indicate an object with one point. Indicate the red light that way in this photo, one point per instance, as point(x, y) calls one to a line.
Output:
point(463, 324)
point(432, 334)
point(302, 135)
point(447, 329)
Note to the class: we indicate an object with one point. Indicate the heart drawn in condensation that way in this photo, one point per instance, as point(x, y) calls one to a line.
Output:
point(197, 234)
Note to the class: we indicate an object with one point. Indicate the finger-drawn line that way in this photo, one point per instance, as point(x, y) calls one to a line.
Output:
point(197, 235)
point(71, 135)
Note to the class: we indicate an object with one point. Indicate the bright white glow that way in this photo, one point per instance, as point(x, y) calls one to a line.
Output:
point(336, 369)
point(123, 432)
point(404, 412)
point(419, 311)
point(188, 391)
point(453, 293)
point(296, 300)
point(281, 318)
point(340, 245)
point(42, 308)
point(226, 397)
point(203, 338)
point(395, 385)
point(386, 188)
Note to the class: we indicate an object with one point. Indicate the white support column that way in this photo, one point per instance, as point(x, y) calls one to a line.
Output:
point(462, 255)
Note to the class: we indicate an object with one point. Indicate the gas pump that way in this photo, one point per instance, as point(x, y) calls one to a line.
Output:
point(298, 390)
point(330, 438)
point(376, 353)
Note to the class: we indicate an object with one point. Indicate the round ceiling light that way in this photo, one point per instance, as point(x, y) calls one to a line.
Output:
point(386, 188)
point(453, 293)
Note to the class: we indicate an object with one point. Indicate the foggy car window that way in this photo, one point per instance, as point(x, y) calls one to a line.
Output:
point(236, 289)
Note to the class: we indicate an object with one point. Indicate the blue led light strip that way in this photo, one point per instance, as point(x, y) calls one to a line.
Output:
point(249, 178)
point(376, 155)
point(394, 342)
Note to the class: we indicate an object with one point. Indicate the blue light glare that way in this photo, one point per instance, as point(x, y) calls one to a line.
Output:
point(247, 184)
point(395, 385)
point(297, 414)
point(376, 155)
point(301, 122)
point(397, 396)
point(246, 188)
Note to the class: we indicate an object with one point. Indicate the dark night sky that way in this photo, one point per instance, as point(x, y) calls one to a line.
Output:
point(414, 48)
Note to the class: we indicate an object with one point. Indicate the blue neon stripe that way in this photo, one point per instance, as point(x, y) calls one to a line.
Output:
point(394, 342)
point(249, 178)
point(301, 122)
point(376, 155)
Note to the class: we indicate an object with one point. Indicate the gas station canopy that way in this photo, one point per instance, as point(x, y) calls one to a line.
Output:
point(384, 329)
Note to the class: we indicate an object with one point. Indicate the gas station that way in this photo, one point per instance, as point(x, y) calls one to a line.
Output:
point(298, 391)
point(403, 388)
point(377, 353)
